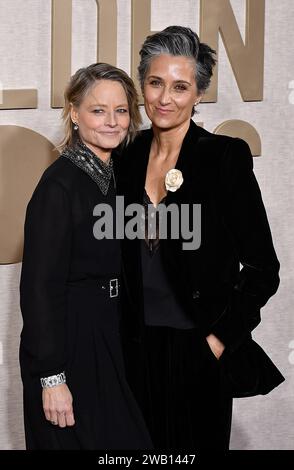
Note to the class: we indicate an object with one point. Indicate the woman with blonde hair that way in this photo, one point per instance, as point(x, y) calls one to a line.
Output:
point(75, 392)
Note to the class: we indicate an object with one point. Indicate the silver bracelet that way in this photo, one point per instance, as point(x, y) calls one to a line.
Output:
point(53, 380)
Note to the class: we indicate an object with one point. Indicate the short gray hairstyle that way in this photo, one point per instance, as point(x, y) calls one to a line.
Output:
point(179, 41)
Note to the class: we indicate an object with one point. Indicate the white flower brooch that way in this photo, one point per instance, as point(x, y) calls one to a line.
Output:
point(173, 180)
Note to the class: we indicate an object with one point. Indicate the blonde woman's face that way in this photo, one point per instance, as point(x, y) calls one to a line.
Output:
point(103, 117)
point(170, 91)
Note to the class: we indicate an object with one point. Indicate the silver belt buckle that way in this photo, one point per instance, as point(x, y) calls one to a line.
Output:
point(113, 288)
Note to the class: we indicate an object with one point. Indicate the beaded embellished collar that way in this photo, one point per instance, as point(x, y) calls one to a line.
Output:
point(87, 161)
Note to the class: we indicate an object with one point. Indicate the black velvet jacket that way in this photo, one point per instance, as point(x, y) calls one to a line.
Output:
point(211, 287)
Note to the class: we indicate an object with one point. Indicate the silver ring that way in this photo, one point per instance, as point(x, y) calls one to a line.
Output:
point(53, 422)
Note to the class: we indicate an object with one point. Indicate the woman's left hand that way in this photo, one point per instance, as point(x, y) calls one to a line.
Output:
point(216, 346)
point(57, 405)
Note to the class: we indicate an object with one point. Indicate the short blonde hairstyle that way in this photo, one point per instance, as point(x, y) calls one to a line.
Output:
point(81, 83)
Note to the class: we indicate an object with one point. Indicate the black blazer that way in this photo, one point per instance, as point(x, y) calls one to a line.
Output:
point(208, 282)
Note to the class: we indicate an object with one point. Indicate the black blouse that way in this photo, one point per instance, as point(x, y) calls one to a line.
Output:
point(161, 307)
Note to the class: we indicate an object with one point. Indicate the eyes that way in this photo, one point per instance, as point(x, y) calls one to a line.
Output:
point(118, 110)
point(178, 87)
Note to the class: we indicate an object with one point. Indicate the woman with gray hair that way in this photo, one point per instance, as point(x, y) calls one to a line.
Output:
point(75, 392)
point(190, 310)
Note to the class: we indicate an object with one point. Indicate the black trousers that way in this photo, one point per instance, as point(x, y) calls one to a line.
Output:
point(183, 399)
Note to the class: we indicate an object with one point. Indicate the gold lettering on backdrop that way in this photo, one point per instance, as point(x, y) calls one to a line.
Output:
point(19, 99)
point(62, 42)
point(246, 59)
point(30, 153)
point(61, 33)
point(215, 16)
point(243, 130)
point(141, 24)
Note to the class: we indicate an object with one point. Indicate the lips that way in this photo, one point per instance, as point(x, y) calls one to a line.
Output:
point(110, 133)
point(163, 111)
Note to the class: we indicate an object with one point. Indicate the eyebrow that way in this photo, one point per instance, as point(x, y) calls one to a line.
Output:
point(176, 81)
point(100, 105)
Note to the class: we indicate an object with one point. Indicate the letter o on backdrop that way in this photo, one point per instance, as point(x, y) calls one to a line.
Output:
point(24, 155)
point(243, 130)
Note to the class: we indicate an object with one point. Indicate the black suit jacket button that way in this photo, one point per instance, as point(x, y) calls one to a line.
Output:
point(196, 294)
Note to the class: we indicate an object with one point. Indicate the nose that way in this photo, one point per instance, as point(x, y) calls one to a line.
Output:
point(111, 119)
point(165, 96)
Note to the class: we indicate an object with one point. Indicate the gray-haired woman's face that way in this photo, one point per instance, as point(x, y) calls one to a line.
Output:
point(170, 91)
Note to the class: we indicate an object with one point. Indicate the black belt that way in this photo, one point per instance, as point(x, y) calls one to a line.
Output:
point(107, 286)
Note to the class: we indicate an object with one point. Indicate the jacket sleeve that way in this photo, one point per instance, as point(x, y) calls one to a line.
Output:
point(45, 268)
point(245, 219)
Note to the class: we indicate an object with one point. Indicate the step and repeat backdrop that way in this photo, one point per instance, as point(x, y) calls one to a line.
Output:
point(42, 42)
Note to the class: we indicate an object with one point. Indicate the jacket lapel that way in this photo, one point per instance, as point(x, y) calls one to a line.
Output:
point(187, 163)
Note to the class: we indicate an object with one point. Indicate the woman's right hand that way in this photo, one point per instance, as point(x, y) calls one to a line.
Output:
point(216, 346)
point(57, 405)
